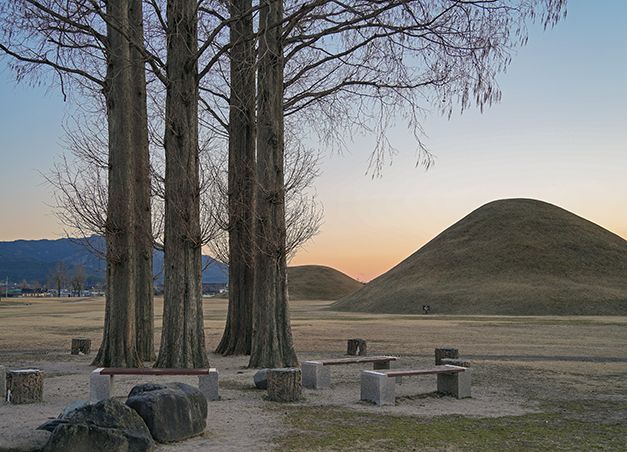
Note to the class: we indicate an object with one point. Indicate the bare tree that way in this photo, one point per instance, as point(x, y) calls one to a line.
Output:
point(90, 50)
point(58, 276)
point(182, 338)
point(241, 182)
point(304, 214)
point(272, 344)
point(358, 67)
point(79, 279)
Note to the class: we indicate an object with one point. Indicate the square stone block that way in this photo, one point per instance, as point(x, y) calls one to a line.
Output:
point(25, 386)
point(316, 375)
point(377, 387)
point(457, 384)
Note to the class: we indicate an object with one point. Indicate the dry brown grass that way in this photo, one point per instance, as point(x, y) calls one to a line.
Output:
point(50, 323)
point(526, 370)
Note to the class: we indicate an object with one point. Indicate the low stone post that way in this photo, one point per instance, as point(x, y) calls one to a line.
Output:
point(81, 346)
point(445, 352)
point(285, 385)
point(25, 386)
point(356, 347)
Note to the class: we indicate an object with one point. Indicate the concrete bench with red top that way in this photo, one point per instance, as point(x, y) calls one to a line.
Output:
point(378, 386)
point(317, 375)
point(101, 380)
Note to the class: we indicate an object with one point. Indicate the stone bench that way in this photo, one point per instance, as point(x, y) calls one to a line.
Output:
point(101, 380)
point(378, 386)
point(317, 374)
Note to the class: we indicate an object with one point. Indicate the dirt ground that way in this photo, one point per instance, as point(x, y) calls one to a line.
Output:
point(519, 364)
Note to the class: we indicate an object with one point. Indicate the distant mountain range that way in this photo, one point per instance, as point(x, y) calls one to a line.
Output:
point(35, 260)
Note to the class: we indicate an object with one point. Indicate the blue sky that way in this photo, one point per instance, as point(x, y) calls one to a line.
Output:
point(558, 135)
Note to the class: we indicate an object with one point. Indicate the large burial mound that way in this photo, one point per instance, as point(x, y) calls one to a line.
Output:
point(315, 282)
point(509, 257)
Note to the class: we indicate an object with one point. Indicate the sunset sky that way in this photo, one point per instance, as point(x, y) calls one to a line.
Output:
point(558, 135)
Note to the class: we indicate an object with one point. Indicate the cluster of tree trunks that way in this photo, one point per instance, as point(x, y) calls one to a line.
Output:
point(365, 63)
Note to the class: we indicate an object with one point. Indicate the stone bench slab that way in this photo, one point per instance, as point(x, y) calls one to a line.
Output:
point(101, 380)
point(378, 386)
point(316, 374)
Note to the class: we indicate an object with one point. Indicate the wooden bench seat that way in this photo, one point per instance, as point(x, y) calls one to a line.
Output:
point(316, 374)
point(378, 386)
point(101, 380)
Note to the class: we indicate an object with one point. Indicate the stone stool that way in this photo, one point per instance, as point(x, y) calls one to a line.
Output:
point(25, 386)
point(81, 346)
point(285, 385)
point(356, 347)
point(445, 352)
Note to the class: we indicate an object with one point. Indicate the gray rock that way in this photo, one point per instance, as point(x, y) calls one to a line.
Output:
point(72, 407)
point(23, 440)
point(261, 379)
point(85, 437)
point(108, 425)
point(51, 424)
point(172, 411)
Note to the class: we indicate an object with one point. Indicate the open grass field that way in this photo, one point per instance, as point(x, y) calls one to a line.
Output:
point(539, 383)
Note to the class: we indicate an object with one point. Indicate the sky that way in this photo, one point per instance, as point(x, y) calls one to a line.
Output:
point(559, 135)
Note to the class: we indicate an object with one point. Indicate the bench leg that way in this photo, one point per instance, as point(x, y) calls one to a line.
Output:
point(315, 375)
point(457, 384)
point(208, 384)
point(377, 387)
point(100, 386)
point(396, 364)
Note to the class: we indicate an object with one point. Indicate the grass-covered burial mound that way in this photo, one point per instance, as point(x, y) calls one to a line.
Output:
point(316, 282)
point(509, 257)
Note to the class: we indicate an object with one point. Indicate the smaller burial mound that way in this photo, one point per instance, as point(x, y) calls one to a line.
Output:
point(316, 282)
point(508, 257)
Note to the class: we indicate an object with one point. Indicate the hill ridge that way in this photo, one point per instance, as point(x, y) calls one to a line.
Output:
point(319, 282)
point(34, 260)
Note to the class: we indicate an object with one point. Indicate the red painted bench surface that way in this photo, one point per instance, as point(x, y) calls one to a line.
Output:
point(151, 371)
point(367, 359)
point(445, 369)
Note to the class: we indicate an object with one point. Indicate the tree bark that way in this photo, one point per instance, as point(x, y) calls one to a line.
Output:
point(118, 348)
point(143, 221)
point(182, 338)
point(272, 344)
point(285, 385)
point(237, 336)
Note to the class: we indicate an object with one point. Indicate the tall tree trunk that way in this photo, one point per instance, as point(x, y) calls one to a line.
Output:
point(272, 344)
point(237, 336)
point(143, 221)
point(183, 337)
point(118, 348)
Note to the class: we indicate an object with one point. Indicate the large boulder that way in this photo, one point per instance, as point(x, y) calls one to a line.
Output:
point(108, 425)
point(172, 411)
